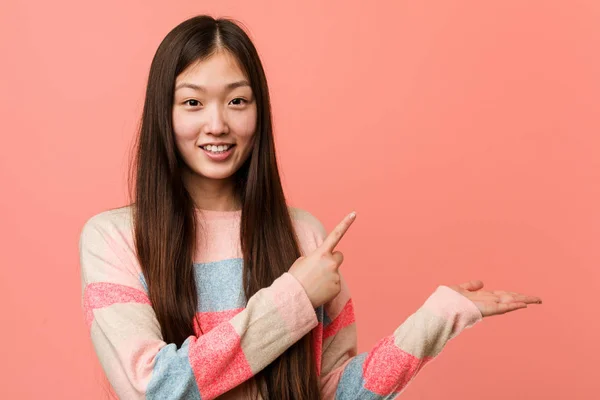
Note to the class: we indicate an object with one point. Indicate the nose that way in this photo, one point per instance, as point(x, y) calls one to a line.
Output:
point(216, 123)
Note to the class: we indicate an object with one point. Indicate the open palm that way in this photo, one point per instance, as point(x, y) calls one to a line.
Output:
point(494, 302)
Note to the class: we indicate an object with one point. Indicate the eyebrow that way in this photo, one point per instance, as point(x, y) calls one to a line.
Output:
point(230, 86)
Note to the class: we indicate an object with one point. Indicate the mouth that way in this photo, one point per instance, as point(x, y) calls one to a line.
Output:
point(218, 153)
point(217, 149)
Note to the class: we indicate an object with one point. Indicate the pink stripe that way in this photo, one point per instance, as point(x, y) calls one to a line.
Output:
point(345, 318)
point(388, 369)
point(218, 362)
point(318, 345)
point(104, 294)
point(206, 321)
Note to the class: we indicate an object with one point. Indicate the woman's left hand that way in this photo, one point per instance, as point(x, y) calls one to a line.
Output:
point(494, 302)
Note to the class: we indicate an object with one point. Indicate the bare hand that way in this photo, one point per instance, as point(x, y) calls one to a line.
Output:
point(318, 272)
point(494, 302)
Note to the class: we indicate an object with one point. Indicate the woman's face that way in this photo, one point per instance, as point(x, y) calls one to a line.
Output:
point(214, 106)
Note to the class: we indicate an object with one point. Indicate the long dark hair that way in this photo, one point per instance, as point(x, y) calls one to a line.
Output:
point(164, 217)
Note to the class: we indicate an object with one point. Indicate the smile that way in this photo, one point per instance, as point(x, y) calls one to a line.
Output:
point(218, 153)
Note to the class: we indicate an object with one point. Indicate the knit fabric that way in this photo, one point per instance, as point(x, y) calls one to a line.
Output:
point(236, 337)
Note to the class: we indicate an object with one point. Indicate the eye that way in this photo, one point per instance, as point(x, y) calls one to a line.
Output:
point(192, 102)
point(238, 101)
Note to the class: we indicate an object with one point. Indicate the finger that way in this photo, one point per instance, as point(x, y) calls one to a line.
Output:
point(472, 285)
point(518, 297)
point(336, 235)
point(527, 299)
point(338, 257)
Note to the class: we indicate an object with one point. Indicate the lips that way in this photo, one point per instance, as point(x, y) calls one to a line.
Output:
point(222, 156)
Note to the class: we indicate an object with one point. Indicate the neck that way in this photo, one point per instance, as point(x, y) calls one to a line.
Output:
point(211, 194)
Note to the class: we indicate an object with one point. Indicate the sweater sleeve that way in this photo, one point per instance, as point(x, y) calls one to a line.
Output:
point(127, 338)
point(385, 370)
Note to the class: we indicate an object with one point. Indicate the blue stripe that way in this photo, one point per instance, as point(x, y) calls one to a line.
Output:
point(326, 320)
point(320, 313)
point(352, 383)
point(219, 285)
point(172, 375)
point(143, 281)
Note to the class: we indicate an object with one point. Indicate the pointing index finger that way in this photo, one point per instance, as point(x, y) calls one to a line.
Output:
point(336, 235)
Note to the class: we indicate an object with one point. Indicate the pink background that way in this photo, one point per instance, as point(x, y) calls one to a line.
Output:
point(464, 133)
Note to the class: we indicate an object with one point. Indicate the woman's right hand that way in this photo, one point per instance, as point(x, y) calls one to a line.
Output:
point(318, 272)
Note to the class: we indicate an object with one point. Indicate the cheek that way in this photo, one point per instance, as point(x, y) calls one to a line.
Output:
point(185, 126)
point(245, 126)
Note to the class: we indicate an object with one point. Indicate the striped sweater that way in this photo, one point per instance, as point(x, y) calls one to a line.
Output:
point(235, 338)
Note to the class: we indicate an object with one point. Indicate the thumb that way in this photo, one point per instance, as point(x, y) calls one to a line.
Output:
point(472, 285)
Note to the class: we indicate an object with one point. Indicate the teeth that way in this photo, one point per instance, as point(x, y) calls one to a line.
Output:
point(217, 149)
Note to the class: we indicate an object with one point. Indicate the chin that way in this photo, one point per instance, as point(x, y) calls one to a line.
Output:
point(215, 175)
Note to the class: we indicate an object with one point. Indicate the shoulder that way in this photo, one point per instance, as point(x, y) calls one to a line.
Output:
point(309, 229)
point(116, 220)
point(108, 231)
point(307, 221)
point(106, 246)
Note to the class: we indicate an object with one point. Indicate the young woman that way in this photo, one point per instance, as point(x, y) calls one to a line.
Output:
point(208, 285)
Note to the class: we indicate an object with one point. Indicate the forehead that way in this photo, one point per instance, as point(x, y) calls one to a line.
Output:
point(217, 70)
